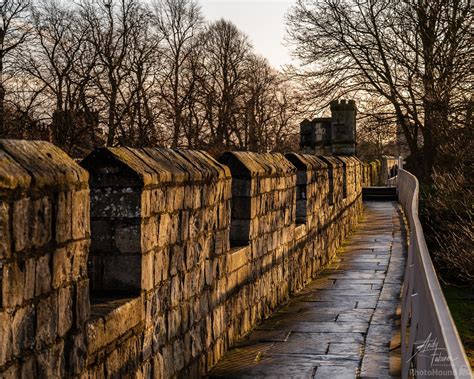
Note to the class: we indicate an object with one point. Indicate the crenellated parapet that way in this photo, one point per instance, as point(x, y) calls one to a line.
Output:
point(161, 219)
point(154, 262)
point(44, 234)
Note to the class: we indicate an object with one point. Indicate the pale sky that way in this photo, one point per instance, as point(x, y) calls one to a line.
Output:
point(262, 20)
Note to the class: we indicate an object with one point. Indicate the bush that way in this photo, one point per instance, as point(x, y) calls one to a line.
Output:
point(446, 215)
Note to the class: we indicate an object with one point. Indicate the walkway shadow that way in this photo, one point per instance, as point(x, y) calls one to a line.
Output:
point(341, 325)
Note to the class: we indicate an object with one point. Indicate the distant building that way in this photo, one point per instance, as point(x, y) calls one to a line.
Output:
point(335, 135)
point(316, 136)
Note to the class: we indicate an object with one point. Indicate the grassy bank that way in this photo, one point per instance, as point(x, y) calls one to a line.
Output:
point(461, 305)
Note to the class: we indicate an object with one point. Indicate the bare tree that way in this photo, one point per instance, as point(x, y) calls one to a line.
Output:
point(413, 54)
point(60, 60)
point(290, 109)
point(196, 131)
point(119, 72)
point(112, 24)
point(258, 104)
point(14, 29)
point(376, 129)
point(178, 23)
point(227, 53)
point(140, 126)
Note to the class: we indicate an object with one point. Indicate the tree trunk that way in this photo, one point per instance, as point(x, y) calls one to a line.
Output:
point(111, 121)
point(3, 133)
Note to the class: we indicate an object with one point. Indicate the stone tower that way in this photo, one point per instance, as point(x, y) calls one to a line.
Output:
point(307, 135)
point(343, 127)
point(315, 136)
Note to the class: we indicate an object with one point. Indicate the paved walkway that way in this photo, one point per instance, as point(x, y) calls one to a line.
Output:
point(340, 325)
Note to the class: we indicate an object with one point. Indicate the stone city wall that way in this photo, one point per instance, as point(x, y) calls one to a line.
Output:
point(44, 234)
point(378, 171)
point(187, 253)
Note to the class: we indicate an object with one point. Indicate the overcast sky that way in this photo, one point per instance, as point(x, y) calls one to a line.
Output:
point(262, 20)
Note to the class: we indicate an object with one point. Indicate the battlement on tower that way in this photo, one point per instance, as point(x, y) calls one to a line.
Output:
point(343, 104)
point(335, 135)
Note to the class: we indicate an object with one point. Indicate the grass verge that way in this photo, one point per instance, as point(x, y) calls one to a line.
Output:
point(461, 304)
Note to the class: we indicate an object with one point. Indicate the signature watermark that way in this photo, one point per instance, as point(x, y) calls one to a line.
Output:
point(429, 349)
point(438, 363)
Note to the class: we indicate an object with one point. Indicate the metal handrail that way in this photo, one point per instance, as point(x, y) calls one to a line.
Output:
point(430, 342)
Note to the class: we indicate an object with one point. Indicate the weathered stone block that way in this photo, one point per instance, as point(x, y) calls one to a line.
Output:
point(40, 221)
point(65, 319)
point(224, 215)
point(80, 214)
point(237, 258)
point(174, 323)
point(190, 284)
point(164, 229)
point(159, 333)
point(177, 263)
point(64, 217)
point(174, 198)
point(62, 267)
point(28, 368)
point(116, 323)
point(187, 346)
point(12, 372)
point(95, 334)
point(184, 317)
point(50, 362)
point(148, 234)
point(243, 275)
point(210, 271)
point(161, 263)
point(113, 363)
point(20, 223)
point(79, 254)
point(176, 291)
point(43, 275)
point(23, 329)
point(147, 344)
point(122, 319)
point(168, 360)
point(6, 337)
point(218, 321)
point(157, 198)
point(146, 204)
point(13, 281)
point(30, 274)
point(5, 232)
point(191, 255)
point(147, 274)
point(47, 320)
point(158, 370)
point(82, 303)
point(195, 224)
point(192, 197)
point(178, 354)
point(77, 354)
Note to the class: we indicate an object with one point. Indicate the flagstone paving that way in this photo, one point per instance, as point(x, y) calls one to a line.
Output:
point(341, 324)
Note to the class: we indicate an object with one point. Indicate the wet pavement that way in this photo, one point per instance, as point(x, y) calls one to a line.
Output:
point(343, 323)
